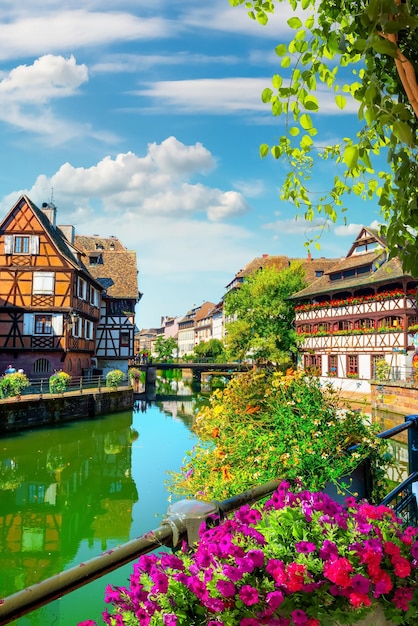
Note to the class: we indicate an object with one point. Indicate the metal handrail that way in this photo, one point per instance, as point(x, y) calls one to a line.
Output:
point(175, 528)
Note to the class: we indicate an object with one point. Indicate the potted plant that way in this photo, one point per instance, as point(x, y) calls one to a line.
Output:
point(134, 375)
point(301, 560)
point(114, 378)
point(13, 385)
point(58, 382)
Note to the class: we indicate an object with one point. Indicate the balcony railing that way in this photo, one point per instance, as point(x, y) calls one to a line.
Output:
point(183, 521)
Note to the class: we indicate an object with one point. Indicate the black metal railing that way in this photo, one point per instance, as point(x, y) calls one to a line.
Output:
point(182, 522)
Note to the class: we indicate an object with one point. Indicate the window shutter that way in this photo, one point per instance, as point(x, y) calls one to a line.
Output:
point(34, 244)
point(57, 324)
point(28, 320)
point(8, 244)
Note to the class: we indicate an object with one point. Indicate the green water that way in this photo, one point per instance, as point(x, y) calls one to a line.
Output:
point(68, 493)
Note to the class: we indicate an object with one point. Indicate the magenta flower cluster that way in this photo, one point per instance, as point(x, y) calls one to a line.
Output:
point(303, 560)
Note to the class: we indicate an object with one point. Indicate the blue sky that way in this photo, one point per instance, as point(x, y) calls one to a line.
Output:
point(143, 120)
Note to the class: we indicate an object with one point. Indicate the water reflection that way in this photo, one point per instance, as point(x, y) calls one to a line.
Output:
point(70, 492)
point(48, 506)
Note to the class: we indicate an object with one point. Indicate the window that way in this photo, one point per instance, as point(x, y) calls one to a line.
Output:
point(352, 366)
point(43, 324)
point(124, 338)
point(21, 244)
point(88, 329)
point(43, 283)
point(41, 366)
point(94, 296)
point(82, 289)
point(333, 365)
point(313, 364)
point(375, 359)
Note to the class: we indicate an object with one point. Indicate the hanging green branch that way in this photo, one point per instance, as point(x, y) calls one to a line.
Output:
point(375, 44)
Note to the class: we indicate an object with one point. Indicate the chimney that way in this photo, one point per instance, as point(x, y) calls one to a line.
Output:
point(309, 256)
point(68, 231)
point(50, 211)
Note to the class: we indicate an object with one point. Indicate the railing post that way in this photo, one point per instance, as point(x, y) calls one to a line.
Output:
point(412, 443)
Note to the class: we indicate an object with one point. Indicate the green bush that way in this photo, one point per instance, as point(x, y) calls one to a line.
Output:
point(58, 382)
point(114, 378)
point(13, 384)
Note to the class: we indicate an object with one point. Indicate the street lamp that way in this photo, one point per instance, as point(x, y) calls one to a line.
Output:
point(72, 318)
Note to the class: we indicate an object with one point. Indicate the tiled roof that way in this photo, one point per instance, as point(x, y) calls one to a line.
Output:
point(387, 272)
point(204, 311)
point(310, 265)
point(119, 265)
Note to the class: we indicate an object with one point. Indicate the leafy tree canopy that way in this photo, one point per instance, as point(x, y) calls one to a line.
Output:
point(375, 44)
point(164, 348)
point(212, 349)
point(264, 316)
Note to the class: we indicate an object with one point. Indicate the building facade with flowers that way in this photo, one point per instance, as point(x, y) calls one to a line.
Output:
point(360, 315)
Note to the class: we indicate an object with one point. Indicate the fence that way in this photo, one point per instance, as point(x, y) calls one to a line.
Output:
point(183, 521)
point(40, 386)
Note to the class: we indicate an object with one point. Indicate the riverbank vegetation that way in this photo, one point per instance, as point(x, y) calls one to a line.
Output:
point(271, 425)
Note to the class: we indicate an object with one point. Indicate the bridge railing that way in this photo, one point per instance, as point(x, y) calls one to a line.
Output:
point(182, 522)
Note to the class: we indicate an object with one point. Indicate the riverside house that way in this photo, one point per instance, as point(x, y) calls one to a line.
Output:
point(360, 312)
point(50, 303)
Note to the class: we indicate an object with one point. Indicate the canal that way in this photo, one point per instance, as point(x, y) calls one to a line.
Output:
point(68, 493)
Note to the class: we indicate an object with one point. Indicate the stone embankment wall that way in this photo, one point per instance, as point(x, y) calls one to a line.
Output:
point(32, 411)
point(391, 402)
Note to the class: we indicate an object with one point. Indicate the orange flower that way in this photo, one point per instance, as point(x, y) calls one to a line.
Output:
point(225, 472)
point(215, 432)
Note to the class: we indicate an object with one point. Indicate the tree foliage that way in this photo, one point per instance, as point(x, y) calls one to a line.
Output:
point(165, 347)
point(366, 50)
point(212, 349)
point(264, 315)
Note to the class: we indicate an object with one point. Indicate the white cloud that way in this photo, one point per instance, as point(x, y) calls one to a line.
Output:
point(27, 93)
point(60, 30)
point(353, 229)
point(219, 96)
point(157, 184)
point(298, 226)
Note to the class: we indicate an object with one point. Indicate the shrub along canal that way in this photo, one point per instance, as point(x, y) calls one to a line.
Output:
point(70, 492)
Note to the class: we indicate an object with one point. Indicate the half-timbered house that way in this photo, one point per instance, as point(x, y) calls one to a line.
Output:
point(49, 303)
point(115, 268)
point(360, 312)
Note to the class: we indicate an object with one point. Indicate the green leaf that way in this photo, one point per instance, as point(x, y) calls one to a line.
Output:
point(264, 150)
point(350, 156)
point(294, 131)
point(266, 95)
point(281, 50)
point(305, 121)
point(403, 132)
point(286, 62)
point(294, 22)
point(341, 101)
point(311, 103)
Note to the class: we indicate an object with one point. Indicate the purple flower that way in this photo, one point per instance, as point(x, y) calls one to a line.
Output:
point(249, 621)
point(248, 595)
point(360, 584)
point(299, 617)
point(233, 573)
point(328, 551)
point(226, 588)
point(160, 581)
point(274, 599)
point(414, 550)
point(247, 515)
point(169, 619)
point(305, 547)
